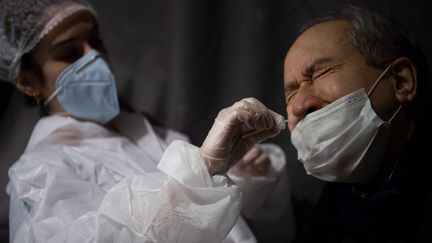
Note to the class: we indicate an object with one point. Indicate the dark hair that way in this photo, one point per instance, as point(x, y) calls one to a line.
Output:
point(29, 63)
point(381, 40)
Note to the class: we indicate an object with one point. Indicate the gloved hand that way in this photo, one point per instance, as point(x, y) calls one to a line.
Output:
point(254, 163)
point(235, 131)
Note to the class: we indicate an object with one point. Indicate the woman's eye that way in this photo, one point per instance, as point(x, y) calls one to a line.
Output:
point(69, 55)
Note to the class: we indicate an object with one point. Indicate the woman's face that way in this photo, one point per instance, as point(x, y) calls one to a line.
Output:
point(77, 35)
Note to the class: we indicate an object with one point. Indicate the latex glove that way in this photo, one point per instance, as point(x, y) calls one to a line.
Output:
point(235, 131)
point(254, 163)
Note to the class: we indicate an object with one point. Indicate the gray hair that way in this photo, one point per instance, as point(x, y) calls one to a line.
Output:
point(381, 40)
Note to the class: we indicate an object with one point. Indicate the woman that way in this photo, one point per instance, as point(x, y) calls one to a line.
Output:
point(91, 173)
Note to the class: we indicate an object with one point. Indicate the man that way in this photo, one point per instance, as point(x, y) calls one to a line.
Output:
point(356, 92)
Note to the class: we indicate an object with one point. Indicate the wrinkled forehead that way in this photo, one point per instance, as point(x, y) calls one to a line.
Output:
point(330, 36)
point(322, 41)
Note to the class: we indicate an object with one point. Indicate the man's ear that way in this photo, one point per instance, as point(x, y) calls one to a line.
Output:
point(404, 73)
point(27, 83)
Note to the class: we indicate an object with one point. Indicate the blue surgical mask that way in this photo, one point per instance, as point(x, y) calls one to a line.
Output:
point(87, 90)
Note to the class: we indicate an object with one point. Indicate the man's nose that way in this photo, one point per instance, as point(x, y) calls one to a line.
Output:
point(303, 104)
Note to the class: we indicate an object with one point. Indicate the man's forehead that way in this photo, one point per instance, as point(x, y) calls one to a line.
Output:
point(323, 36)
point(327, 27)
point(322, 41)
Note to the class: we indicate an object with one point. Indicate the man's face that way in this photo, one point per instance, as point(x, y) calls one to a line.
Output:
point(66, 43)
point(321, 66)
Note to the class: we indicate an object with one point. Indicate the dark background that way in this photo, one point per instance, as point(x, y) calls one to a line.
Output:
point(183, 61)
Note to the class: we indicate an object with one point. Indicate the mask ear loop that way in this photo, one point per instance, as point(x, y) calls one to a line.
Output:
point(376, 83)
point(397, 111)
point(379, 79)
point(53, 95)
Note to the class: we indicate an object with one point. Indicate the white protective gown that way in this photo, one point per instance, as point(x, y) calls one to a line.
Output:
point(79, 182)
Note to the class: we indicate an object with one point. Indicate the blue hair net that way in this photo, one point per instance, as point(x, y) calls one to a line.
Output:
point(23, 23)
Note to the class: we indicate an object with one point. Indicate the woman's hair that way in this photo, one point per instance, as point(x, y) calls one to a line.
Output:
point(28, 63)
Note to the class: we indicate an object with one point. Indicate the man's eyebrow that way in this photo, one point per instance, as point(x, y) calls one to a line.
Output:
point(309, 71)
point(315, 65)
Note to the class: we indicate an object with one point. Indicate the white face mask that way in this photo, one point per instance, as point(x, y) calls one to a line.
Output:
point(344, 141)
